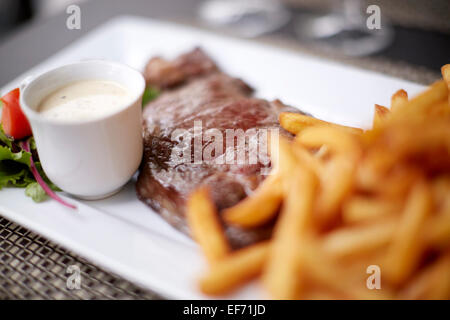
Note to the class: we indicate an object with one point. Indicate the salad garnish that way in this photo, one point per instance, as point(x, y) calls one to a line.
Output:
point(14, 121)
point(17, 163)
point(150, 94)
point(41, 182)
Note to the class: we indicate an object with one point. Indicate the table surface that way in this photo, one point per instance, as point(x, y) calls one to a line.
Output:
point(424, 51)
point(31, 267)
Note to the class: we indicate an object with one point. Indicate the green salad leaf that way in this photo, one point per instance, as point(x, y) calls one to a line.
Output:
point(150, 94)
point(14, 162)
point(15, 168)
point(11, 174)
point(4, 139)
point(35, 191)
point(21, 156)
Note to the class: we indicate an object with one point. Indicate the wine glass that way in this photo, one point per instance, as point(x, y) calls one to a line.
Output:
point(344, 30)
point(248, 18)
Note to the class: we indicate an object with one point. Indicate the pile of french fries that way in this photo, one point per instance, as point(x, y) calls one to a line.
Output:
point(358, 214)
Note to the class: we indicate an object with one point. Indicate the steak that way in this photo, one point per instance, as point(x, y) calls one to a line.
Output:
point(195, 90)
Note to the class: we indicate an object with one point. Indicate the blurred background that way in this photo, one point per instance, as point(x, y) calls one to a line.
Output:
point(410, 32)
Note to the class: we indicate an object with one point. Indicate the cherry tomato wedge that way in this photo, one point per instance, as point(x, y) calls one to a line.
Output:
point(14, 121)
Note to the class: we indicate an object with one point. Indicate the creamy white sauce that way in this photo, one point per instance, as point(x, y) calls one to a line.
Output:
point(84, 100)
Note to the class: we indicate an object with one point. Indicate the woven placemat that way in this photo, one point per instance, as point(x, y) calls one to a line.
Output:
point(32, 267)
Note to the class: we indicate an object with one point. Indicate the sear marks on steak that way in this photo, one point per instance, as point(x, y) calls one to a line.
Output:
point(164, 74)
point(195, 90)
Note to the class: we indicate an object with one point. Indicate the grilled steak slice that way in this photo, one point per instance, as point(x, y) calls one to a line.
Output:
point(218, 101)
point(164, 74)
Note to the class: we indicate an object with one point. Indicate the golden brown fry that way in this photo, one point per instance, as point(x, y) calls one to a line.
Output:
point(281, 275)
point(283, 159)
point(421, 104)
point(441, 191)
point(371, 176)
point(320, 294)
point(364, 208)
point(398, 98)
point(432, 283)
point(296, 122)
point(446, 75)
point(380, 115)
point(205, 227)
point(397, 184)
point(349, 201)
point(337, 175)
point(258, 208)
point(406, 248)
point(437, 230)
point(322, 269)
point(441, 110)
point(335, 139)
point(235, 270)
point(281, 155)
point(337, 180)
point(359, 239)
point(308, 159)
point(440, 288)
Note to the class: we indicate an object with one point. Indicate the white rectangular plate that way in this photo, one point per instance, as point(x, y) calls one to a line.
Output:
point(123, 235)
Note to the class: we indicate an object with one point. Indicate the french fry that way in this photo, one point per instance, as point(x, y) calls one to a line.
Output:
point(432, 283)
point(398, 98)
point(296, 122)
point(235, 270)
point(397, 184)
point(446, 76)
point(359, 240)
point(349, 200)
point(441, 190)
point(441, 109)
point(440, 288)
point(282, 158)
point(404, 252)
point(308, 159)
point(336, 183)
point(364, 208)
point(420, 105)
point(203, 221)
point(281, 273)
point(258, 208)
point(337, 175)
point(380, 115)
point(437, 230)
point(335, 139)
point(322, 153)
point(322, 269)
point(320, 294)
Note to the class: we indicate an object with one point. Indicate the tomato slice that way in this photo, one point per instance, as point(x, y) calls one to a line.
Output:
point(14, 121)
